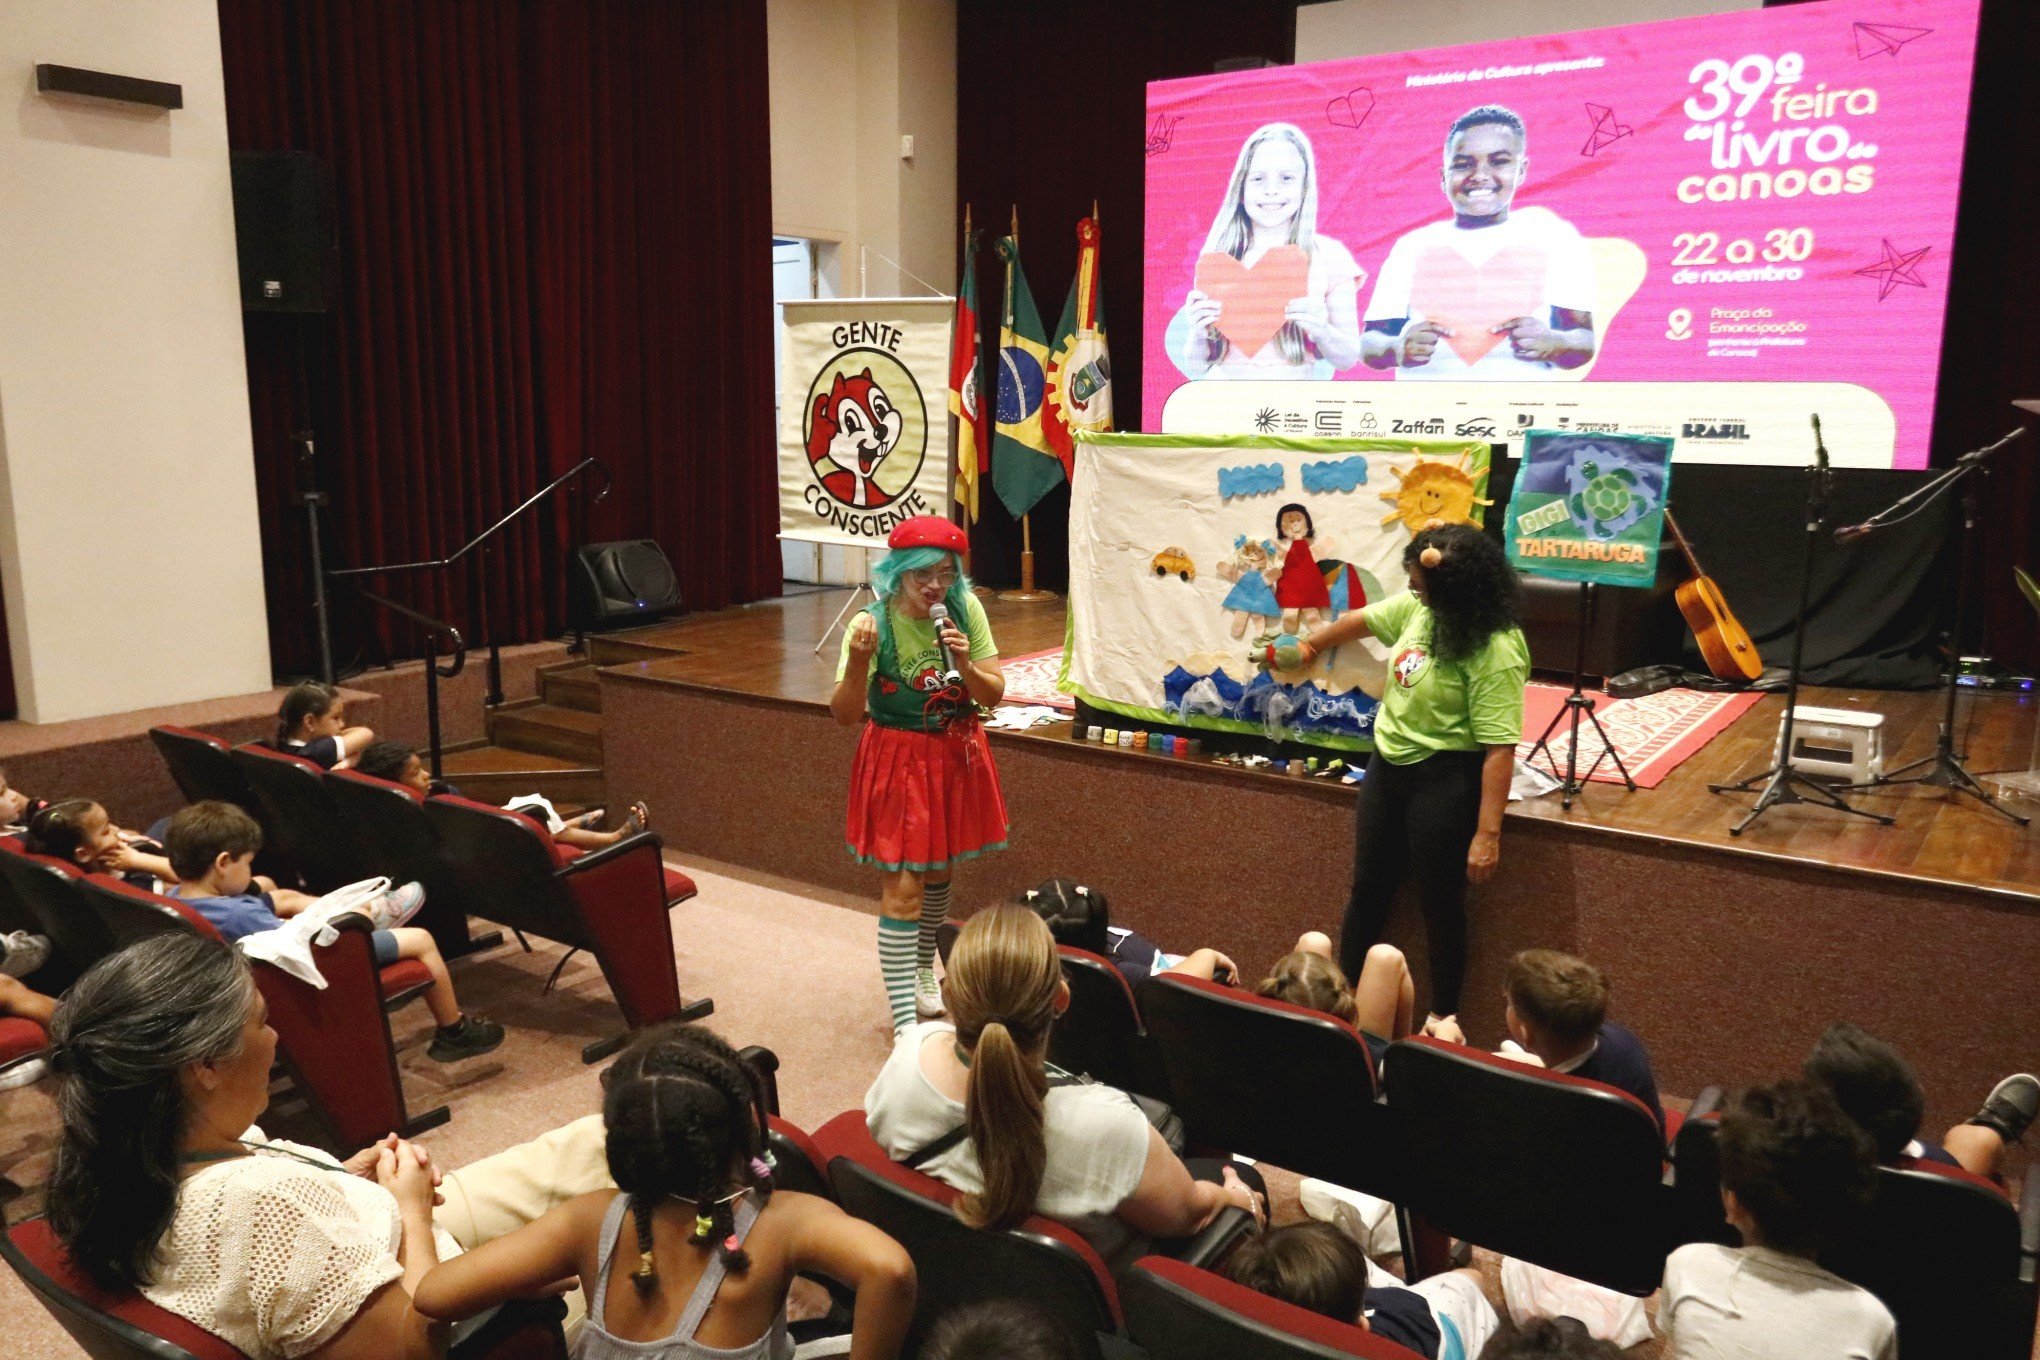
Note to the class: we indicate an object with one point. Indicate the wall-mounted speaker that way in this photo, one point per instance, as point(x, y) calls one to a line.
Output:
point(286, 232)
point(620, 584)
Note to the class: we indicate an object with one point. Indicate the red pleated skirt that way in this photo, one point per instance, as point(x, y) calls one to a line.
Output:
point(923, 800)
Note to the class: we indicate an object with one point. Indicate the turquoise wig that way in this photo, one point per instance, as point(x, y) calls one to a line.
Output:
point(886, 575)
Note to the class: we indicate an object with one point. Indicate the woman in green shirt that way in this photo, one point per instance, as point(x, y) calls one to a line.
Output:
point(923, 792)
point(1444, 743)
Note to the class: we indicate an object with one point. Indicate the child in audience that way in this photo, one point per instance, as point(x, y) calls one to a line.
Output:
point(212, 845)
point(1550, 1339)
point(1315, 1266)
point(399, 764)
point(312, 723)
point(999, 1329)
point(1795, 1173)
point(16, 807)
point(693, 1226)
point(1877, 1088)
point(78, 831)
point(1382, 1005)
point(1556, 1013)
point(1080, 917)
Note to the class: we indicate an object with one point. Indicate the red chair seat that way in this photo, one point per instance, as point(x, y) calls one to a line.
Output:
point(679, 887)
point(403, 975)
point(63, 1288)
point(20, 1039)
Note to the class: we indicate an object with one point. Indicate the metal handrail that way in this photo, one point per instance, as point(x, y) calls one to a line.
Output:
point(491, 531)
point(434, 630)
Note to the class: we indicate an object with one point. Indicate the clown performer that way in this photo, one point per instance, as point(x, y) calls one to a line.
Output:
point(923, 793)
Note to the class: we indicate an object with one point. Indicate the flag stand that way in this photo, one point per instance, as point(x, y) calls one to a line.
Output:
point(1026, 594)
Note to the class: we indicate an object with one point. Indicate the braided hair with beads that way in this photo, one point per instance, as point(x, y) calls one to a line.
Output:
point(684, 1117)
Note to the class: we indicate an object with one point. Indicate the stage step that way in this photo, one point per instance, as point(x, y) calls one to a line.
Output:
point(549, 729)
point(495, 774)
point(640, 644)
point(573, 685)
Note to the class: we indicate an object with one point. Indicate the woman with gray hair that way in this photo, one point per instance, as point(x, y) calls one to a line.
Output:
point(164, 1184)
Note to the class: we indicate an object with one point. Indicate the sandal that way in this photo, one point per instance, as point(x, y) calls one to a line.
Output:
point(640, 818)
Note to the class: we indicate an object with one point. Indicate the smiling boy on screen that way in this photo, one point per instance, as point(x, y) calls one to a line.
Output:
point(1493, 293)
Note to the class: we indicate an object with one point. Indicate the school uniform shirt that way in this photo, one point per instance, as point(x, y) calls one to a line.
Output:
point(1402, 1316)
point(1135, 956)
point(233, 917)
point(1753, 1303)
point(1618, 1059)
point(323, 752)
point(1471, 279)
point(1428, 706)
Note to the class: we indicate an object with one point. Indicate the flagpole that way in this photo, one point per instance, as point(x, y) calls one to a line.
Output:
point(1027, 593)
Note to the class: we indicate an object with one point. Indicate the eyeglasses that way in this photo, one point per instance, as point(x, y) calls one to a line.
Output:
point(933, 576)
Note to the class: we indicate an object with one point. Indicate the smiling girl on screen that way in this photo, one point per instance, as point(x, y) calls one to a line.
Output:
point(1270, 203)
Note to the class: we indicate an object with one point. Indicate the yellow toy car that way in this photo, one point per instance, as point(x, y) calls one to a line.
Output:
point(1173, 559)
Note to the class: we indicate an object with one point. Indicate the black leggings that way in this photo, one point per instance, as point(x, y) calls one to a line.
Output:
point(1418, 818)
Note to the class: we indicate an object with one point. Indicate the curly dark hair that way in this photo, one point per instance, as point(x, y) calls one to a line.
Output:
point(1473, 592)
point(1801, 1167)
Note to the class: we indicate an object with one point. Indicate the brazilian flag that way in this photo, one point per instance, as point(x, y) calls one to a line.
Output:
point(1024, 467)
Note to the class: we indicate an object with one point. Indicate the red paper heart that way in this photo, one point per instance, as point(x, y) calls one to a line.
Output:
point(1252, 298)
point(1471, 300)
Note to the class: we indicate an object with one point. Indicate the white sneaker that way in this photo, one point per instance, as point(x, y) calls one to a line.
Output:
point(22, 953)
point(396, 906)
point(928, 996)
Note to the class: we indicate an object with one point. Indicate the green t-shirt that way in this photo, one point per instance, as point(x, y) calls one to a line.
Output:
point(1429, 706)
point(900, 699)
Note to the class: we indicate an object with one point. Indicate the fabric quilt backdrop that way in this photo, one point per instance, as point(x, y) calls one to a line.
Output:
point(1189, 553)
point(863, 417)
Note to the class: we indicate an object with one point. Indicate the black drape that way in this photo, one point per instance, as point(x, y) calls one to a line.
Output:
point(554, 218)
point(1050, 116)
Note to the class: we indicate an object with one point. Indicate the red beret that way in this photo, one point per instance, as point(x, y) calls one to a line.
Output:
point(929, 531)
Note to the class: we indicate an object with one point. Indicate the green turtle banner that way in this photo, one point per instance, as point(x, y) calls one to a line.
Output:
point(1589, 507)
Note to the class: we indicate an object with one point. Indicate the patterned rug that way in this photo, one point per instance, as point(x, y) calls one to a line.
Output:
point(1654, 734)
point(1031, 679)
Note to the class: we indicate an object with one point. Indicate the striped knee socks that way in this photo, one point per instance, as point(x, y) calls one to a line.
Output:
point(934, 911)
point(896, 947)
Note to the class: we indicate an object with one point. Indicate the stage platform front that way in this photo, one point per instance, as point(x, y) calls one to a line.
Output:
point(1729, 954)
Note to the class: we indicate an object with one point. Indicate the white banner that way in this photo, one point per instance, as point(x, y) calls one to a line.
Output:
point(863, 417)
point(1189, 552)
point(1757, 423)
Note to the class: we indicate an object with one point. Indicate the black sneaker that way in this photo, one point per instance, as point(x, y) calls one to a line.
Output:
point(2010, 1107)
point(470, 1037)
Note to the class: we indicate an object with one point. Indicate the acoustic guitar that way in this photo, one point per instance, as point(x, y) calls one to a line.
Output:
point(1724, 643)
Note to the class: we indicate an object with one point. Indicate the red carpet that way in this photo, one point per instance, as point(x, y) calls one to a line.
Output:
point(1652, 734)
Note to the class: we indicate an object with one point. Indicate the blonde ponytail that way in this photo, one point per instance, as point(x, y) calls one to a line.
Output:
point(1004, 976)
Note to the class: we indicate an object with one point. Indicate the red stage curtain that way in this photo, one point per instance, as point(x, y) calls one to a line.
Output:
point(1049, 117)
point(554, 217)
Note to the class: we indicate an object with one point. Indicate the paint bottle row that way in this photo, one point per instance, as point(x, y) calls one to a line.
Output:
point(1132, 739)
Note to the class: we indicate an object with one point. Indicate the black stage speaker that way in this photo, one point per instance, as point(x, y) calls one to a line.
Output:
point(618, 584)
point(286, 232)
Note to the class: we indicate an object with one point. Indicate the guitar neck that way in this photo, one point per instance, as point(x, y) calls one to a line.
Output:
point(1684, 547)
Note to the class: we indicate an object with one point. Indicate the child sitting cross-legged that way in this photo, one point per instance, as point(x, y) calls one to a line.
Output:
point(1556, 1009)
point(212, 846)
point(399, 764)
point(1315, 1266)
point(1795, 1174)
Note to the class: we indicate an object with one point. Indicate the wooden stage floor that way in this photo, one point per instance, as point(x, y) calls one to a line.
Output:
point(766, 649)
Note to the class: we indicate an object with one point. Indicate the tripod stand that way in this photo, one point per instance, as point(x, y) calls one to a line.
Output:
point(1944, 768)
point(1781, 783)
point(1578, 705)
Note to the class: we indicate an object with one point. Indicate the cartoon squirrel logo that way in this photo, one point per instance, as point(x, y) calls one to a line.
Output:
point(1408, 665)
point(855, 427)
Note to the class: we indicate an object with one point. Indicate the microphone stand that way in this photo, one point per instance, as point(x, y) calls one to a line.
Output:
point(1782, 783)
point(1945, 768)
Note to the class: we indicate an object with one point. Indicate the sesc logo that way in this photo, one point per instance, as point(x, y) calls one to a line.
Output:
point(1480, 427)
point(1724, 430)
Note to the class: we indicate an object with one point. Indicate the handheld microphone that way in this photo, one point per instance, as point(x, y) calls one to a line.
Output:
point(938, 614)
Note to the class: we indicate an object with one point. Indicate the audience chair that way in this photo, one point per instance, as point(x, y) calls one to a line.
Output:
point(44, 889)
point(336, 1042)
point(203, 767)
point(397, 840)
point(1176, 1311)
point(21, 1042)
point(1948, 1252)
point(300, 814)
point(1556, 1170)
point(122, 1325)
point(612, 903)
point(1272, 1081)
point(1100, 1035)
point(1039, 1260)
